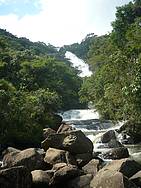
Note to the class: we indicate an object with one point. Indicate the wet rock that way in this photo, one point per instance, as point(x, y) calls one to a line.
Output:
point(80, 182)
point(116, 153)
point(113, 143)
point(15, 177)
point(136, 179)
point(109, 135)
point(111, 179)
point(92, 167)
point(54, 156)
point(40, 178)
point(32, 158)
point(73, 141)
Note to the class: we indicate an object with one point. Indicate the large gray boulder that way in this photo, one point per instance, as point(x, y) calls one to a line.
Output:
point(64, 172)
point(40, 178)
point(32, 158)
point(15, 177)
point(107, 136)
point(9, 155)
point(126, 166)
point(113, 143)
point(54, 156)
point(73, 141)
point(111, 179)
point(80, 182)
point(92, 167)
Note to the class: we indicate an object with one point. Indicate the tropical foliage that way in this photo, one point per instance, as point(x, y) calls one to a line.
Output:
point(115, 59)
point(36, 81)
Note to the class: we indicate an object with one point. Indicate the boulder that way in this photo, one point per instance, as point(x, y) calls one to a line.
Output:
point(15, 177)
point(32, 158)
point(48, 131)
point(64, 128)
point(83, 159)
point(136, 179)
point(80, 182)
point(113, 143)
point(10, 150)
point(54, 156)
point(9, 155)
point(126, 166)
point(73, 141)
point(116, 153)
point(92, 167)
point(63, 173)
point(109, 135)
point(113, 179)
point(40, 178)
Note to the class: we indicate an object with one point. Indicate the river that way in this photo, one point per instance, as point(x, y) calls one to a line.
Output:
point(88, 120)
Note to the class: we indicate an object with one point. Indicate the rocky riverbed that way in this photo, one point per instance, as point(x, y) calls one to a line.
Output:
point(67, 159)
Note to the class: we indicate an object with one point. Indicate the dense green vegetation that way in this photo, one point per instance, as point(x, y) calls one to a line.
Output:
point(115, 59)
point(36, 81)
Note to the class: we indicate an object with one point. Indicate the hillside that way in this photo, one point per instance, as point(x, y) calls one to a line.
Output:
point(36, 81)
point(8, 40)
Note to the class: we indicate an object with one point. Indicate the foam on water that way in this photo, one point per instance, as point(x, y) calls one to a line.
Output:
point(84, 114)
point(79, 63)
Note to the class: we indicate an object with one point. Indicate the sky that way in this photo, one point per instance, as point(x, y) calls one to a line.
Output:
point(58, 22)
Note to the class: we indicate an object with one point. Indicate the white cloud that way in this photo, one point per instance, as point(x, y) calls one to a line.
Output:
point(3, 1)
point(59, 22)
point(62, 21)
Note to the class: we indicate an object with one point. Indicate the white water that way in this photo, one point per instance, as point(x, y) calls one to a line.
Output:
point(84, 114)
point(88, 121)
point(79, 63)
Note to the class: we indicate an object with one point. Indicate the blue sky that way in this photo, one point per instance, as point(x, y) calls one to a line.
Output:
point(58, 22)
point(20, 7)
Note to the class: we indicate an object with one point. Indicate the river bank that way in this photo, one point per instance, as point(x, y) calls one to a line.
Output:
point(68, 159)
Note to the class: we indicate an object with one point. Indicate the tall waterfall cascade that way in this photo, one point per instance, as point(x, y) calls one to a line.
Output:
point(79, 63)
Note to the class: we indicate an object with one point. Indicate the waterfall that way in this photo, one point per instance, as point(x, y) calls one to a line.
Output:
point(79, 63)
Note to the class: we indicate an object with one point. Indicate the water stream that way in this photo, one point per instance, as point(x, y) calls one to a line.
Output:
point(87, 120)
point(79, 63)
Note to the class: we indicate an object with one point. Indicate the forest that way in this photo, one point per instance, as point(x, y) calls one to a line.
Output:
point(37, 81)
point(115, 60)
